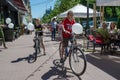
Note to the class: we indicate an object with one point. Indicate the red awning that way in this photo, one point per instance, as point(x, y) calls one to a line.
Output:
point(19, 4)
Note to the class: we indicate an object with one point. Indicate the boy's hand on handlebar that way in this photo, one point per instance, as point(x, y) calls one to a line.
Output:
point(67, 32)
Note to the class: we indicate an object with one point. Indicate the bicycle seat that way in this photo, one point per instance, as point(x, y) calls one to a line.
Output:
point(38, 31)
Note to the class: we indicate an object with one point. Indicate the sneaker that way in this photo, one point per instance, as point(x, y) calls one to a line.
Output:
point(61, 60)
point(6, 47)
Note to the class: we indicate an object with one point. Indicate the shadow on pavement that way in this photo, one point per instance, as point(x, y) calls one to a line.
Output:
point(1, 49)
point(107, 63)
point(57, 71)
point(28, 58)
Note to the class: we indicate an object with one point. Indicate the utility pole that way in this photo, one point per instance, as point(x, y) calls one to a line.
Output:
point(87, 15)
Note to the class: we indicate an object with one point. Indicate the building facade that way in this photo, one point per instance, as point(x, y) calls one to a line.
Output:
point(18, 10)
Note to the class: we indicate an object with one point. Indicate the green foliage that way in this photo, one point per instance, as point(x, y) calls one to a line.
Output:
point(2, 21)
point(1, 18)
point(118, 23)
point(63, 5)
point(60, 6)
point(104, 33)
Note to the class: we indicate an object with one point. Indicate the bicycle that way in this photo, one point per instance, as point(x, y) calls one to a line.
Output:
point(77, 59)
point(36, 47)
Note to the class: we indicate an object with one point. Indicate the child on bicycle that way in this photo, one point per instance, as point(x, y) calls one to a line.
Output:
point(66, 32)
point(39, 27)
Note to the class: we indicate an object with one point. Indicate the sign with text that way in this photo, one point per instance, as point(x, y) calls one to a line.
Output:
point(108, 2)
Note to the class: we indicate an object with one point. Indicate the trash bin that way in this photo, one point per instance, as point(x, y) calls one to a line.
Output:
point(9, 34)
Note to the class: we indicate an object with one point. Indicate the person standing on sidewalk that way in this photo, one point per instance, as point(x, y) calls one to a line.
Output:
point(2, 35)
point(39, 27)
point(60, 25)
point(53, 29)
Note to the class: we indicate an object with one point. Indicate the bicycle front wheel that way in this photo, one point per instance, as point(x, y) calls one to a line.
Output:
point(37, 48)
point(77, 61)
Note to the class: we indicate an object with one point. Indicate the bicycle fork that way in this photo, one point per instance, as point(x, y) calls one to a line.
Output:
point(37, 44)
point(74, 54)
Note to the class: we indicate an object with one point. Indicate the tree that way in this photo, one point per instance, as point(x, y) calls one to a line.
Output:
point(63, 5)
point(60, 6)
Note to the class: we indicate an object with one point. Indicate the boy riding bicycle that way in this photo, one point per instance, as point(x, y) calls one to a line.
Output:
point(66, 32)
point(39, 27)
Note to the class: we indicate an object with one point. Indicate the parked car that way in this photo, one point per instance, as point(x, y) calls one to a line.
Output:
point(84, 24)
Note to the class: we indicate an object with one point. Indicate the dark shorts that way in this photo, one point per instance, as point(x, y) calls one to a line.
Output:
point(65, 41)
point(39, 33)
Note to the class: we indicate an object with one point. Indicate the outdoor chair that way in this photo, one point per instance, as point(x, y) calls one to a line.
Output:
point(96, 40)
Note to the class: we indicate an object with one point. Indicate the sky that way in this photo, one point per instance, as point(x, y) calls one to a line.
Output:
point(38, 7)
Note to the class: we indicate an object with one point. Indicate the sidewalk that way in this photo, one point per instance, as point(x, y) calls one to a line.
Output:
point(14, 63)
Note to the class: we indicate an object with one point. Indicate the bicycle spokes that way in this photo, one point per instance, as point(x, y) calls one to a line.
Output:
point(77, 62)
point(75, 56)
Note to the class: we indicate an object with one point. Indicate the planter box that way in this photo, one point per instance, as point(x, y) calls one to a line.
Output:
point(9, 34)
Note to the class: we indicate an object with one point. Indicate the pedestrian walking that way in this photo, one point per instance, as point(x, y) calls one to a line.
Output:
point(2, 35)
point(53, 29)
point(60, 25)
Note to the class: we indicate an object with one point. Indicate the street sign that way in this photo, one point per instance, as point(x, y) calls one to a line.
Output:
point(108, 2)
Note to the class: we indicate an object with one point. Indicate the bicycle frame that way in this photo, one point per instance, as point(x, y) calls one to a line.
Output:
point(76, 56)
point(37, 41)
point(36, 47)
point(72, 46)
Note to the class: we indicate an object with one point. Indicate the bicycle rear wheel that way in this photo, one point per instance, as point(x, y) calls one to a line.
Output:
point(32, 58)
point(64, 56)
point(77, 61)
point(64, 52)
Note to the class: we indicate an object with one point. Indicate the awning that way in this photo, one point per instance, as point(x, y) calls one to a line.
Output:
point(20, 4)
point(12, 6)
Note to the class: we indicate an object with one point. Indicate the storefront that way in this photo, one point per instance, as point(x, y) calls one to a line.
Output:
point(14, 9)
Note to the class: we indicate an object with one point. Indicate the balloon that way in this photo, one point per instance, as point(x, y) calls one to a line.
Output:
point(30, 26)
point(8, 20)
point(10, 25)
point(77, 28)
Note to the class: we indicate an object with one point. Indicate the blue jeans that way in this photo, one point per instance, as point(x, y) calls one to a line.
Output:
point(53, 36)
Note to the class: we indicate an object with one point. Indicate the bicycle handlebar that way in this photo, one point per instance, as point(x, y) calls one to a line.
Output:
point(38, 31)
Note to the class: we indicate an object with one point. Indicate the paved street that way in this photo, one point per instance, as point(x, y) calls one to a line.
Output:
point(14, 63)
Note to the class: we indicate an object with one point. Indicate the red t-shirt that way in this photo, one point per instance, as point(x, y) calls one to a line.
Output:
point(67, 26)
